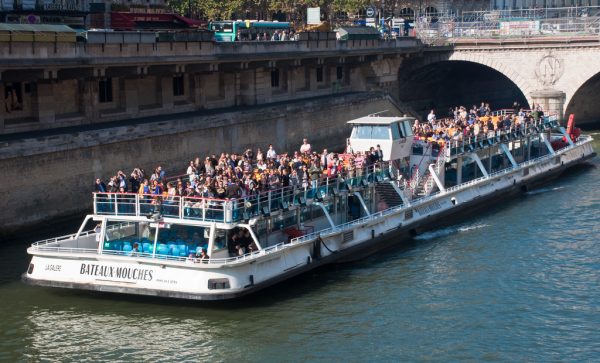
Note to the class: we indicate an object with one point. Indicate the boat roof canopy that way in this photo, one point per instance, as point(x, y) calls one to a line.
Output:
point(379, 120)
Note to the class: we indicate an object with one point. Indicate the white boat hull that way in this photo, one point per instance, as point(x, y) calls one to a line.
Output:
point(351, 241)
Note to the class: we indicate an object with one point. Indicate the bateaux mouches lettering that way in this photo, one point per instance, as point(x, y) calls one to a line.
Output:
point(127, 273)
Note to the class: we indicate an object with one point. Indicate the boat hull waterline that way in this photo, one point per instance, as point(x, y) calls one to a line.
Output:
point(351, 241)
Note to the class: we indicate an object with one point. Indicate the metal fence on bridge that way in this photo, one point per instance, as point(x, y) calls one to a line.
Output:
point(447, 28)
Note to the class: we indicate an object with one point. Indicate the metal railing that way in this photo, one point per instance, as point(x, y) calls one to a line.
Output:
point(506, 24)
point(307, 238)
point(484, 140)
point(234, 209)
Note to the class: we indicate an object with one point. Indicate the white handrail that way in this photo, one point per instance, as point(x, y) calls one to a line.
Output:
point(43, 246)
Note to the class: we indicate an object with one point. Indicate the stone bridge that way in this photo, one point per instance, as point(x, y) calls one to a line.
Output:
point(561, 74)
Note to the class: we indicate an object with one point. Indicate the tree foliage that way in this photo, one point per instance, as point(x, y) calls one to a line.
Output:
point(262, 9)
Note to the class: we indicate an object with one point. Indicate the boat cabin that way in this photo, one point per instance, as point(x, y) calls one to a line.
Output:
point(393, 134)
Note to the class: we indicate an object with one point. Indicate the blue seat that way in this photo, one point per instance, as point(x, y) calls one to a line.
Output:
point(182, 249)
point(146, 247)
point(117, 246)
point(162, 249)
point(127, 247)
point(174, 251)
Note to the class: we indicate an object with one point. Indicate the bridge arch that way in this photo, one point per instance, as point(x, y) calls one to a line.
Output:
point(446, 81)
point(583, 102)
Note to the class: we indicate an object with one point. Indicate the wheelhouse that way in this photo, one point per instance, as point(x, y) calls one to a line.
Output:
point(393, 134)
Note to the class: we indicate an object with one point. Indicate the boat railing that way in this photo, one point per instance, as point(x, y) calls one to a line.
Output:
point(45, 244)
point(234, 209)
point(582, 139)
point(483, 140)
point(56, 240)
point(424, 199)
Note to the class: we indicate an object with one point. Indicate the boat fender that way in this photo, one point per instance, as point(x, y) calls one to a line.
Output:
point(251, 278)
point(372, 233)
point(316, 250)
point(308, 260)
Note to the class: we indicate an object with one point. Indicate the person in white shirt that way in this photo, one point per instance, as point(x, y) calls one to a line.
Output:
point(271, 154)
point(431, 116)
point(305, 148)
point(191, 168)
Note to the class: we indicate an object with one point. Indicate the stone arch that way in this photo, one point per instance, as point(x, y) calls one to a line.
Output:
point(509, 72)
point(445, 79)
point(521, 82)
point(582, 101)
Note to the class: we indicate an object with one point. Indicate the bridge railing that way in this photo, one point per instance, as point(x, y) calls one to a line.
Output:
point(232, 210)
point(551, 22)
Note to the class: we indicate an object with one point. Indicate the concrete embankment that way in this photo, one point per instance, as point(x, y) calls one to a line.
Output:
point(52, 176)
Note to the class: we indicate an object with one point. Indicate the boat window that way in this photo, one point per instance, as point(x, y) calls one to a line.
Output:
point(188, 238)
point(375, 132)
point(396, 131)
point(406, 128)
point(173, 239)
point(417, 149)
point(234, 242)
point(435, 150)
point(116, 231)
point(221, 241)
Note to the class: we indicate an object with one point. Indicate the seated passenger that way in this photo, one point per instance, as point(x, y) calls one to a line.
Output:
point(252, 247)
point(135, 251)
point(240, 250)
point(203, 257)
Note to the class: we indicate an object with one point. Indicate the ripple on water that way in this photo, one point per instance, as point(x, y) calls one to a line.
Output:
point(518, 282)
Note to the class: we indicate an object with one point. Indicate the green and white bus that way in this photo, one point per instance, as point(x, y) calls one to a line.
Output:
point(244, 30)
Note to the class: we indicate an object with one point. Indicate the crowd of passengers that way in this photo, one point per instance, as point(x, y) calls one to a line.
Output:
point(249, 173)
point(244, 174)
point(477, 122)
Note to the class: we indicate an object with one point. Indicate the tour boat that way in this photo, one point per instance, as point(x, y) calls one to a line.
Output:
point(146, 245)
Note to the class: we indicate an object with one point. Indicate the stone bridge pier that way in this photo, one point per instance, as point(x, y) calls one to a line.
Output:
point(563, 77)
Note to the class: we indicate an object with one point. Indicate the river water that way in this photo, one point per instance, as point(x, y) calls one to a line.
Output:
point(518, 282)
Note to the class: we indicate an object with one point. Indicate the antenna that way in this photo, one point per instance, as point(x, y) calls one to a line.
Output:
point(377, 113)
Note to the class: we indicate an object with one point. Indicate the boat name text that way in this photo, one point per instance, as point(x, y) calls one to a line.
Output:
point(128, 273)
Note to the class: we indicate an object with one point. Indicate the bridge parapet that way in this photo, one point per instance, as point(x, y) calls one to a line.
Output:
point(507, 25)
point(14, 54)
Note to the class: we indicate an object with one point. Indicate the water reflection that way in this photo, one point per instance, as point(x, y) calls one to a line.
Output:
point(517, 282)
point(175, 334)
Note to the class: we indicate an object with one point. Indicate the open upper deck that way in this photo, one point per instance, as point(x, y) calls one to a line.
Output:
point(234, 210)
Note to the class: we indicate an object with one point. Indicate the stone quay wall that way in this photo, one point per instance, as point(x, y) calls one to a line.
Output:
point(51, 177)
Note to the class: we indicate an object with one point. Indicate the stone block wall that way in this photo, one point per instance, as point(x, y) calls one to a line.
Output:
point(48, 177)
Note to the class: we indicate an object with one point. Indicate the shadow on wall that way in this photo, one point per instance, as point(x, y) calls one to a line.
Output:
point(447, 84)
point(584, 104)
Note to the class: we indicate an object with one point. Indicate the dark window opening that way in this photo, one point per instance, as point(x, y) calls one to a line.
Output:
point(105, 91)
point(178, 85)
point(339, 72)
point(320, 74)
point(218, 284)
point(13, 97)
point(275, 78)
